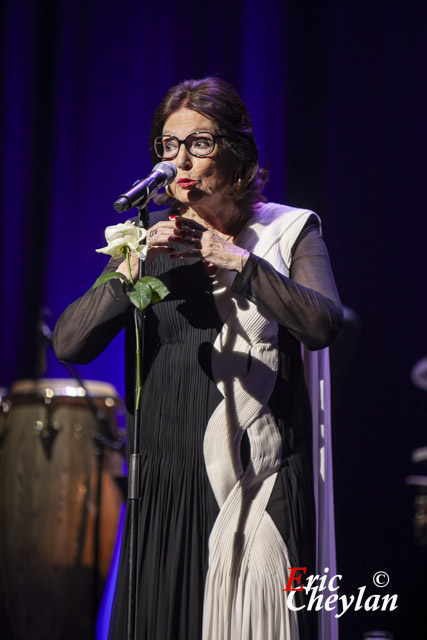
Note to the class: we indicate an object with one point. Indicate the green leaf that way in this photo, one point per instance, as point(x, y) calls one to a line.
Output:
point(155, 297)
point(141, 295)
point(159, 291)
point(109, 276)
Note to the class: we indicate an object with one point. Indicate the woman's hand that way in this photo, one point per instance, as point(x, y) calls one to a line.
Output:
point(162, 233)
point(134, 266)
point(197, 242)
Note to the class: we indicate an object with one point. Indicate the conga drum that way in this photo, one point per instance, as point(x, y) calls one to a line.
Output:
point(59, 506)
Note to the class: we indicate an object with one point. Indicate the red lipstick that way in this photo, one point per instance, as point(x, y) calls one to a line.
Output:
point(186, 183)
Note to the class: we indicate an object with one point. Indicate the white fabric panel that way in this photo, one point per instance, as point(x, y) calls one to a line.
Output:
point(248, 559)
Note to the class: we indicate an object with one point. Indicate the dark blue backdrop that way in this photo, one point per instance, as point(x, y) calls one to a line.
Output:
point(338, 96)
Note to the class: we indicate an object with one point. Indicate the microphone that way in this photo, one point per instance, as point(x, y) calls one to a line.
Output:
point(142, 190)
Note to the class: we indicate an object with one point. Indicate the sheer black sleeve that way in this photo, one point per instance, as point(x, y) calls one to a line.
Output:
point(89, 324)
point(306, 303)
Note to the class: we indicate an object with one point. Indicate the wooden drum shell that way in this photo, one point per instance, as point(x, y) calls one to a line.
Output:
point(48, 506)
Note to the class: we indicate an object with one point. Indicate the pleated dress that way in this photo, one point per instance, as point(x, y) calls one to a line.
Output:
point(178, 507)
point(226, 436)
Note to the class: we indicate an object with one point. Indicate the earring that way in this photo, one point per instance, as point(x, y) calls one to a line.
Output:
point(169, 192)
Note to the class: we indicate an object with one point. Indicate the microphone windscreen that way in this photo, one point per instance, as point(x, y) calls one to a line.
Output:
point(168, 169)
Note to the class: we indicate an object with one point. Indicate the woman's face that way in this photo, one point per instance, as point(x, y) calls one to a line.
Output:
point(199, 180)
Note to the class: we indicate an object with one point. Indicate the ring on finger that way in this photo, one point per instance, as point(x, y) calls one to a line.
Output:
point(192, 233)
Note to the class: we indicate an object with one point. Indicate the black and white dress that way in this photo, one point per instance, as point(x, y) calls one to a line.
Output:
point(226, 436)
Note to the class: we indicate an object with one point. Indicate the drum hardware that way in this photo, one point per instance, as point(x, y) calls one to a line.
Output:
point(77, 428)
point(47, 432)
point(105, 436)
point(103, 441)
point(5, 406)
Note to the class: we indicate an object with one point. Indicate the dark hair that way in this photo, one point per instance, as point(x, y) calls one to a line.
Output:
point(217, 100)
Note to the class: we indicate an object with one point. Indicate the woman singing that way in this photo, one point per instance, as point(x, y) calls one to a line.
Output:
point(226, 430)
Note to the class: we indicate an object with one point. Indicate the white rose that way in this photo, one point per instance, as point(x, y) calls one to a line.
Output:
point(123, 235)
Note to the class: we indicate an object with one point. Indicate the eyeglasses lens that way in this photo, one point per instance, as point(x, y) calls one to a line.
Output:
point(198, 144)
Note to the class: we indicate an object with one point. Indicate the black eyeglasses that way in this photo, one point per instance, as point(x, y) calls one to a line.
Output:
point(199, 144)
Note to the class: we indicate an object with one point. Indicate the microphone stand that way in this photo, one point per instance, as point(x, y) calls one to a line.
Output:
point(134, 472)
